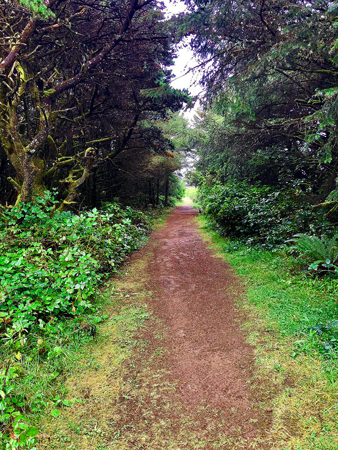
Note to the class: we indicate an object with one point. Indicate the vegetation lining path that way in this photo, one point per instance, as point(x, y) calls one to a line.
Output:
point(184, 382)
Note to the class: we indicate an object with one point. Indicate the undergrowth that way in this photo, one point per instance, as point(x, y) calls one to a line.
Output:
point(51, 265)
point(293, 322)
point(260, 215)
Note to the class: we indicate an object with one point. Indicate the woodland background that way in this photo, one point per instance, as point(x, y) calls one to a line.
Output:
point(92, 138)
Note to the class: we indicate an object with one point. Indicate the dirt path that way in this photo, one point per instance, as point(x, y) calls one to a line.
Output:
point(184, 379)
point(195, 294)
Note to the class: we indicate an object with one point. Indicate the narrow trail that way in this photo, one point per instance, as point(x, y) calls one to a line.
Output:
point(183, 380)
point(195, 293)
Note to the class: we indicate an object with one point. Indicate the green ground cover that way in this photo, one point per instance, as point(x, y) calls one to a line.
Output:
point(292, 321)
point(51, 268)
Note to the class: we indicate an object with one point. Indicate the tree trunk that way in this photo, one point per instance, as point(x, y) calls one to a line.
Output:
point(158, 191)
point(29, 169)
point(166, 191)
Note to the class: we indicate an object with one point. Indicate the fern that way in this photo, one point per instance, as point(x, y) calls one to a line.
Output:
point(323, 250)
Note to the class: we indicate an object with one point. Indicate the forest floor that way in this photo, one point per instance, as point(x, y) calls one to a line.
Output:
point(172, 368)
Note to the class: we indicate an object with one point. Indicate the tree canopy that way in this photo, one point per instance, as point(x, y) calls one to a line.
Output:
point(77, 82)
point(270, 74)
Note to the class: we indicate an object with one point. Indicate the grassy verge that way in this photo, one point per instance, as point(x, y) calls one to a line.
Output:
point(97, 378)
point(159, 216)
point(35, 377)
point(292, 324)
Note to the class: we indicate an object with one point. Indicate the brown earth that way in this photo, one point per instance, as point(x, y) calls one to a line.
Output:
point(184, 381)
point(196, 295)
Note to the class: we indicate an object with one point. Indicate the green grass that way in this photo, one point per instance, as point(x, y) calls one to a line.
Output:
point(93, 378)
point(292, 323)
point(300, 305)
point(158, 217)
point(39, 371)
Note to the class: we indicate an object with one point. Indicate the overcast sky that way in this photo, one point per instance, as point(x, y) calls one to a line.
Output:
point(184, 61)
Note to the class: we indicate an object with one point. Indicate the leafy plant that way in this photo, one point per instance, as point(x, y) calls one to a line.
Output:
point(323, 252)
point(254, 214)
point(38, 7)
point(51, 264)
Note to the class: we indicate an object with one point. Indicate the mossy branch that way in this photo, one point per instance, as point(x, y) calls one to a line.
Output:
point(332, 207)
point(60, 163)
point(16, 185)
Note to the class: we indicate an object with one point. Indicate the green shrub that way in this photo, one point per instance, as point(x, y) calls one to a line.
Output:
point(50, 267)
point(255, 214)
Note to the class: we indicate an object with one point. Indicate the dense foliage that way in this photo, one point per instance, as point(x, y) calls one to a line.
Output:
point(51, 265)
point(50, 268)
point(81, 86)
point(270, 73)
point(323, 253)
point(255, 214)
point(267, 136)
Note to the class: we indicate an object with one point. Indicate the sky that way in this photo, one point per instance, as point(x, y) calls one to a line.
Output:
point(184, 61)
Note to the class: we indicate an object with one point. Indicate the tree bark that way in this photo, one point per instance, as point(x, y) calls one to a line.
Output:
point(166, 191)
point(29, 171)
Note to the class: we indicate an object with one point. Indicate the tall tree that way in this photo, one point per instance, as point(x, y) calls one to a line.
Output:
point(269, 68)
point(74, 86)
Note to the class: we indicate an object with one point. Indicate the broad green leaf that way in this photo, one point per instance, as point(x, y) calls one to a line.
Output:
point(32, 432)
point(55, 413)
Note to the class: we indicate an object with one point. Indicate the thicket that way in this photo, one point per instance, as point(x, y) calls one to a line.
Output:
point(271, 219)
point(51, 265)
point(255, 214)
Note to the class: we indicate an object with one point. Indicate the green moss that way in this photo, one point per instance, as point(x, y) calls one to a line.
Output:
point(49, 92)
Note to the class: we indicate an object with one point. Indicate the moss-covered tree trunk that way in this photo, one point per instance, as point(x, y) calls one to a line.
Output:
point(21, 149)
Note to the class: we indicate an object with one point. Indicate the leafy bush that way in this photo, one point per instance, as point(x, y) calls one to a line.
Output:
point(50, 266)
point(255, 214)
